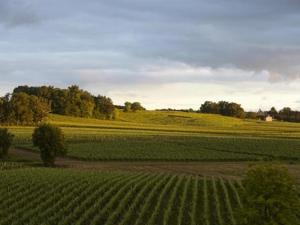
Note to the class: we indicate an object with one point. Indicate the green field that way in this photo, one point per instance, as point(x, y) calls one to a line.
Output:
point(153, 135)
point(56, 196)
point(83, 193)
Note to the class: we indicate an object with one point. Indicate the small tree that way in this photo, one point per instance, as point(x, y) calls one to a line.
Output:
point(136, 106)
point(127, 107)
point(50, 140)
point(6, 139)
point(270, 197)
point(116, 114)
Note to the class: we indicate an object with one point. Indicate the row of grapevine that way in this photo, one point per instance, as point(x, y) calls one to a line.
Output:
point(53, 196)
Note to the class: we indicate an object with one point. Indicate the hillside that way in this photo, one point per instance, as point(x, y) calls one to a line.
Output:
point(175, 136)
point(183, 122)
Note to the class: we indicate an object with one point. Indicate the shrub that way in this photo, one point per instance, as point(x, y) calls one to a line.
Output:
point(116, 114)
point(50, 140)
point(6, 139)
point(270, 197)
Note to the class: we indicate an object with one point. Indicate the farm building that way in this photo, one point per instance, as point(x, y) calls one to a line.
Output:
point(268, 118)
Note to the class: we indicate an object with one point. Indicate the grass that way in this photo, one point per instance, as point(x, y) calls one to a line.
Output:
point(56, 196)
point(153, 135)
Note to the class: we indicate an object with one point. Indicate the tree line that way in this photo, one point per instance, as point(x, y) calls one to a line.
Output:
point(30, 105)
point(285, 114)
point(235, 110)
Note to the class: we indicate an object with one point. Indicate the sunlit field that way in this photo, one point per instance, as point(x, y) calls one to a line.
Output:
point(153, 135)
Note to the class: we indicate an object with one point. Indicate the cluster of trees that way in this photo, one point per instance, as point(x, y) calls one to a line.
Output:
point(48, 138)
point(72, 101)
point(235, 110)
point(30, 105)
point(133, 107)
point(224, 108)
point(22, 109)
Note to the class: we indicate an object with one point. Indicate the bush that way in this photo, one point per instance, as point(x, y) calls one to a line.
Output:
point(50, 140)
point(6, 139)
point(116, 114)
point(270, 197)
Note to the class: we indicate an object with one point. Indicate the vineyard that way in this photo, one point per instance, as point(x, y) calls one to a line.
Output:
point(55, 196)
point(124, 147)
point(172, 136)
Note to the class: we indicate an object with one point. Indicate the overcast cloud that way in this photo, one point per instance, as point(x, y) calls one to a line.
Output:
point(169, 53)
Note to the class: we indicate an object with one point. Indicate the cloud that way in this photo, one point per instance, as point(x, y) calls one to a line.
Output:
point(18, 13)
point(228, 48)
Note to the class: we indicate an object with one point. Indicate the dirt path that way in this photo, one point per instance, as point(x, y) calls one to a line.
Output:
point(223, 169)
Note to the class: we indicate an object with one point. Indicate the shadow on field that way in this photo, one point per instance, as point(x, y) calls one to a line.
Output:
point(233, 170)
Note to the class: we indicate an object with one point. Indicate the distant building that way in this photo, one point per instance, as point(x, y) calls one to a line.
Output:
point(268, 118)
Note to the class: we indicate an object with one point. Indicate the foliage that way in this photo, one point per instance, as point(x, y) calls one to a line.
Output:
point(23, 109)
point(270, 197)
point(223, 108)
point(210, 107)
point(104, 107)
point(79, 103)
point(116, 114)
point(50, 140)
point(137, 106)
point(251, 115)
point(55, 196)
point(127, 107)
point(72, 101)
point(10, 165)
point(273, 112)
point(6, 139)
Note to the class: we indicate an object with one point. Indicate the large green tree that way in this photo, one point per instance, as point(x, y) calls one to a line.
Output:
point(224, 108)
point(6, 139)
point(51, 142)
point(210, 107)
point(270, 197)
point(78, 102)
point(104, 107)
point(21, 104)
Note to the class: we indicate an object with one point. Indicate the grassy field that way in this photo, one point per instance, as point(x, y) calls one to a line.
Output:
point(153, 135)
point(56, 196)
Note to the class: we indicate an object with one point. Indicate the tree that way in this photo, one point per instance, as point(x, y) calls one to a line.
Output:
point(235, 110)
point(6, 111)
point(21, 105)
point(136, 106)
point(210, 107)
point(273, 112)
point(224, 108)
point(40, 109)
point(78, 102)
point(270, 197)
point(127, 107)
point(6, 139)
point(116, 114)
point(251, 115)
point(104, 107)
point(50, 140)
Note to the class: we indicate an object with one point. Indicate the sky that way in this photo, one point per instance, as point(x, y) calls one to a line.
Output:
point(163, 53)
